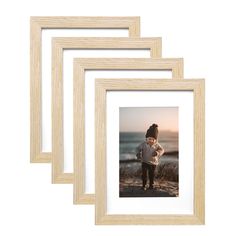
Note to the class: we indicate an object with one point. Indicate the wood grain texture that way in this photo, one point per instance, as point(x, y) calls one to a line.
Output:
point(199, 151)
point(154, 44)
point(60, 44)
point(82, 64)
point(104, 85)
point(83, 22)
point(37, 24)
point(169, 64)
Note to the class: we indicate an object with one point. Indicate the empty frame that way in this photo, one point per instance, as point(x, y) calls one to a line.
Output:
point(61, 44)
point(37, 24)
point(80, 66)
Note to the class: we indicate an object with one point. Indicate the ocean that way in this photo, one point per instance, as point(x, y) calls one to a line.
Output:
point(129, 141)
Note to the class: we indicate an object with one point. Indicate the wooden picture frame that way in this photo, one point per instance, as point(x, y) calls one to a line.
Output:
point(60, 44)
point(37, 24)
point(194, 85)
point(80, 65)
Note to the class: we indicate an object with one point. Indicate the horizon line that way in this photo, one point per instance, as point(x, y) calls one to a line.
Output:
point(164, 130)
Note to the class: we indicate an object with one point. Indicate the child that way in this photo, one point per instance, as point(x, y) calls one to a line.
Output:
point(149, 152)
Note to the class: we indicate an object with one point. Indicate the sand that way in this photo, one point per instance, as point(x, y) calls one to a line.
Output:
point(132, 187)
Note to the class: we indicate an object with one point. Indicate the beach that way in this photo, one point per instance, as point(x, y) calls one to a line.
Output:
point(162, 188)
point(166, 178)
point(166, 174)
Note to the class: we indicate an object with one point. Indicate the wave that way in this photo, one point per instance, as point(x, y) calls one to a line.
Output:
point(130, 157)
point(127, 156)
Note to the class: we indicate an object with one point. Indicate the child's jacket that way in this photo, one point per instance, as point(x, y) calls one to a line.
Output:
point(150, 154)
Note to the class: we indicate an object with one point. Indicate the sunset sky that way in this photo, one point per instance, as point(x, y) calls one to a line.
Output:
point(138, 119)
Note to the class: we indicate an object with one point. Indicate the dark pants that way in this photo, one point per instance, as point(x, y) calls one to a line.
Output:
point(148, 169)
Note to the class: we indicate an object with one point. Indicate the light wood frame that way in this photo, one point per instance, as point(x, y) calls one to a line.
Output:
point(60, 44)
point(197, 86)
point(80, 65)
point(37, 24)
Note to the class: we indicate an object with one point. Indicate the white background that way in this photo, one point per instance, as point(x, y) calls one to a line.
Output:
point(203, 32)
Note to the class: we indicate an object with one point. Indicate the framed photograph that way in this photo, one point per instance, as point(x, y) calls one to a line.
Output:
point(62, 74)
point(40, 150)
point(84, 129)
point(150, 151)
point(138, 136)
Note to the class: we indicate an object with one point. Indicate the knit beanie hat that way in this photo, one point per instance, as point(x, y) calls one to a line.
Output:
point(152, 131)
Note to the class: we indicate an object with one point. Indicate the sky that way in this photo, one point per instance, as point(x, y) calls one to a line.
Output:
point(138, 119)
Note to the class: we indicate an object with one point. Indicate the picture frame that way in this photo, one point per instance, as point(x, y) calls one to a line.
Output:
point(105, 85)
point(37, 24)
point(80, 66)
point(60, 44)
